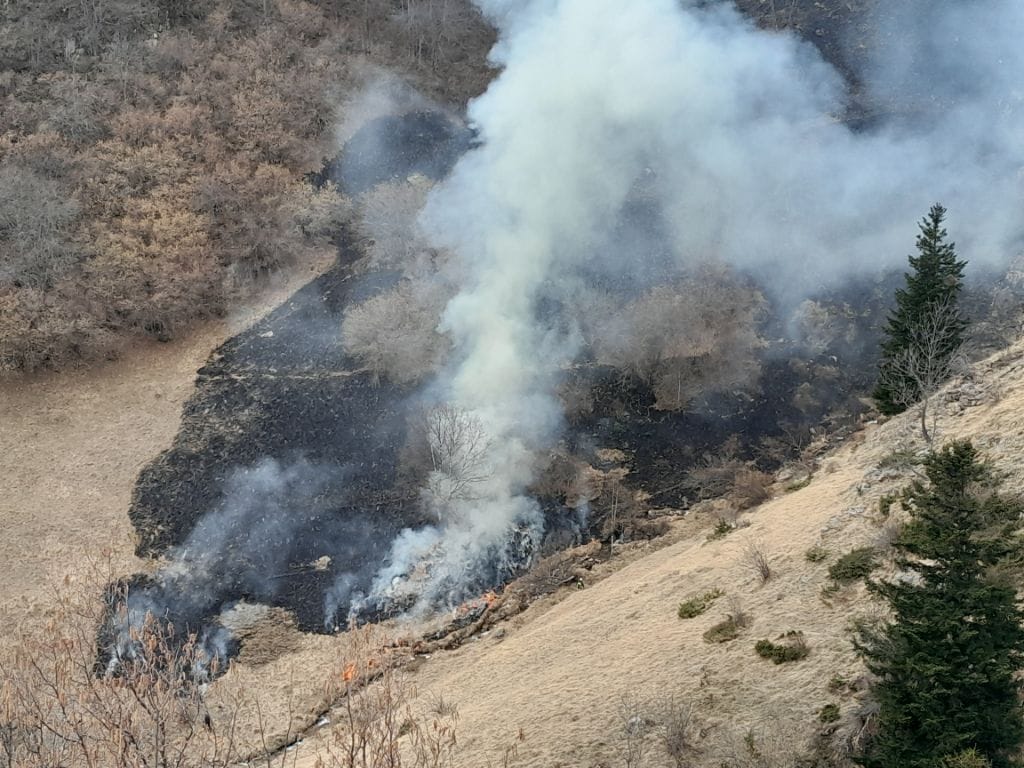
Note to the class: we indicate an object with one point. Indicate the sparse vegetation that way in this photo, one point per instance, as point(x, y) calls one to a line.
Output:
point(792, 648)
point(816, 554)
point(756, 558)
point(854, 565)
point(722, 529)
point(729, 628)
point(695, 606)
point(829, 713)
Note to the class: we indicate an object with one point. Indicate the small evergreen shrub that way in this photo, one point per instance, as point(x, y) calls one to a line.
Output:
point(855, 565)
point(695, 606)
point(721, 530)
point(829, 713)
point(837, 684)
point(970, 758)
point(799, 485)
point(885, 503)
point(792, 648)
point(816, 554)
point(900, 459)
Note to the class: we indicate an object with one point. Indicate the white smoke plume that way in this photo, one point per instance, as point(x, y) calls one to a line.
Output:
point(736, 135)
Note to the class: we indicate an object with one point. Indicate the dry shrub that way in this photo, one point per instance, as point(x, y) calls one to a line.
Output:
point(694, 337)
point(615, 512)
point(757, 560)
point(714, 476)
point(560, 476)
point(58, 707)
point(387, 222)
point(381, 721)
point(395, 335)
point(636, 726)
point(680, 731)
point(824, 328)
point(556, 571)
point(751, 487)
point(772, 746)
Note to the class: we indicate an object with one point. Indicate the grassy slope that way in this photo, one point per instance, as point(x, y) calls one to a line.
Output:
point(560, 672)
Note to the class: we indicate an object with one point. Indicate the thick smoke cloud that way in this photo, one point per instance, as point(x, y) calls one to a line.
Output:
point(734, 140)
point(623, 146)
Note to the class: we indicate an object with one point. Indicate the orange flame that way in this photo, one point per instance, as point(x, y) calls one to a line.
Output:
point(348, 673)
point(490, 597)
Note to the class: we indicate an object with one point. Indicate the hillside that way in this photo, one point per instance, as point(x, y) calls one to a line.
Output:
point(463, 383)
point(561, 672)
point(552, 681)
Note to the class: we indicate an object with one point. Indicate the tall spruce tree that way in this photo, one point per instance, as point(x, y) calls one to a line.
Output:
point(932, 290)
point(946, 663)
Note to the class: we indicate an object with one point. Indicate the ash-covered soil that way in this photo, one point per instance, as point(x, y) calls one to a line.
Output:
point(284, 390)
point(286, 475)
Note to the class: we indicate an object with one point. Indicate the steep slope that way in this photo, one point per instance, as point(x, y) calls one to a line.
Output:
point(71, 446)
point(556, 681)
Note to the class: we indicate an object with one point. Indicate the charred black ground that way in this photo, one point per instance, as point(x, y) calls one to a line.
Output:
point(395, 147)
point(285, 392)
point(283, 409)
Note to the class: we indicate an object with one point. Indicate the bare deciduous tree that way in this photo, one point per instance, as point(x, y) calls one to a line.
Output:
point(395, 333)
point(459, 455)
point(915, 373)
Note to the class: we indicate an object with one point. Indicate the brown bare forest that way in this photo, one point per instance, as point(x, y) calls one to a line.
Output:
point(153, 154)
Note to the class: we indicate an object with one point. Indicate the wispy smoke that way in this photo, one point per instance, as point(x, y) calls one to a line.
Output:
point(276, 522)
point(733, 139)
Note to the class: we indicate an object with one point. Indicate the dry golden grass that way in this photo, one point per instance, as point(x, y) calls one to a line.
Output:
point(546, 688)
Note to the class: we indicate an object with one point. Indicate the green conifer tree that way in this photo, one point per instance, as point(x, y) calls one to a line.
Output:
point(932, 287)
point(946, 663)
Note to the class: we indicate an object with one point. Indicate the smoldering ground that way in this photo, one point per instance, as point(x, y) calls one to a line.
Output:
point(733, 139)
point(652, 177)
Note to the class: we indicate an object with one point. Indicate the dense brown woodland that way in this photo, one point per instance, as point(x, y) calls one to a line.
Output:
point(153, 154)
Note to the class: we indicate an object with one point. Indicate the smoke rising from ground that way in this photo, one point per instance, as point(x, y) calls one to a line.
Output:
point(733, 141)
point(628, 157)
